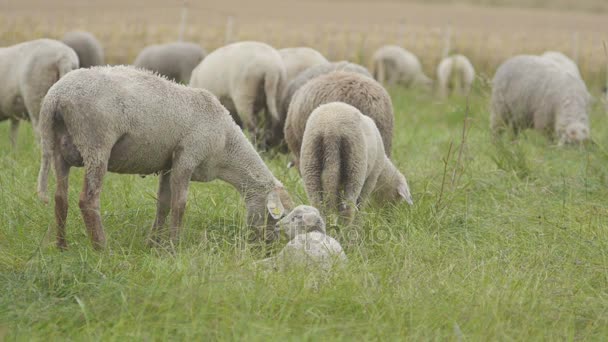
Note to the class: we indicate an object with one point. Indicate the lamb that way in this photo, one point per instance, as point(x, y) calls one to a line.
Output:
point(140, 123)
point(393, 64)
point(362, 92)
point(174, 60)
point(298, 59)
point(342, 159)
point(563, 61)
point(28, 70)
point(247, 77)
point(534, 92)
point(455, 73)
point(86, 46)
point(309, 245)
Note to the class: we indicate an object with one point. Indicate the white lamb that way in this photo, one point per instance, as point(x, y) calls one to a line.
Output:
point(534, 92)
point(309, 245)
point(28, 71)
point(393, 64)
point(247, 77)
point(455, 73)
point(140, 123)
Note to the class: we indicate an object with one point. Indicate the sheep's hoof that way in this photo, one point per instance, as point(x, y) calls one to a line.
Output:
point(43, 198)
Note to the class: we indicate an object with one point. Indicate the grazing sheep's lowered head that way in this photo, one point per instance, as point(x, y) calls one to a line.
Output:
point(301, 220)
point(575, 133)
point(392, 185)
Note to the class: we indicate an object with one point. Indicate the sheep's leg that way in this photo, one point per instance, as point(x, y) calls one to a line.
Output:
point(348, 203)
point(89, 202)
point(14, 131)
point(366, 192)
point(62, 172)
point(244, 104)
point(180, 179)
point(163, 205)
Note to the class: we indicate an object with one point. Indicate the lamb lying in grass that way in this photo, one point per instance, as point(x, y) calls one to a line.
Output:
point(342, 160)
point(140, 123)
point(309, 244)
point(535, 92)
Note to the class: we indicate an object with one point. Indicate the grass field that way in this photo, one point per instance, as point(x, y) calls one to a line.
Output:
point(505, 241)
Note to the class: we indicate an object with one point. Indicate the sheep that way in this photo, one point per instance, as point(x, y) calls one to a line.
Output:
point(343, 157)
point(360, 91)
point(309, 245)
point(393, 64)
point(298, 59)
point(140, 123)
point(28, 70)
point(534, 92)
point(86, 46)
point(277, 137)
point(563, 61)
point(455, 73)
point(174, 60)
point(247, 77)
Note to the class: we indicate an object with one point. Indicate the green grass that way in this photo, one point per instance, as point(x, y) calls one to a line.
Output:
point(504, 242)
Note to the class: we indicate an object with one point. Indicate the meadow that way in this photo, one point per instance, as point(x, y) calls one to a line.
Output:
point(507, 239)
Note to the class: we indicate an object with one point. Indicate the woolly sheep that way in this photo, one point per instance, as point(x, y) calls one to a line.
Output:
point(298, 59)
point(140, 123)
point(394, 65)
point(533, 92)
point(28, 70)
point(174, 60)
point(294, 85)
point(563, 61)
point(86, 46)
point(360, 91)
point(309, 244)
point(247, 77)
point(342, 159)
point(455, 73)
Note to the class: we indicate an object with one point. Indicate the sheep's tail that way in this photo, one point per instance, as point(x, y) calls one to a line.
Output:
point(47, 142)
point(379, 72)
point(272, 83)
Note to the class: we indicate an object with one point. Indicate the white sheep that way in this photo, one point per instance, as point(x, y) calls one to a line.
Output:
point(247, 77)
point(393, 64)
point(140, 123)
point(28, 70)
point(302, 78)
point(86, 46)
point(309, 245)
point(563, 61)
point(455, 73)
point(343, 157)
point(534, 92)
point(362, 92)
point(174, 60)
point(298, 59)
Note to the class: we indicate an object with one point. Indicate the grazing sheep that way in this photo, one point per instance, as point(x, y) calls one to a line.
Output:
point(342, 158)
point(309, 244)
point(455, 73)
point(360, 91)
point(534, 92)
point(277, 136)
point(394, 65)
point(140, 123)
point(299, 59)
point(28, 70)
point(173, 60)
point(247, 77)
point(564, 62)
point(87, 47)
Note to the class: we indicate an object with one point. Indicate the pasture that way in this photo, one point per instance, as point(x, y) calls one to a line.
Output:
point(507, 239)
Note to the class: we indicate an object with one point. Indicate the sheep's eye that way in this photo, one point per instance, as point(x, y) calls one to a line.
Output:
point(293, 219)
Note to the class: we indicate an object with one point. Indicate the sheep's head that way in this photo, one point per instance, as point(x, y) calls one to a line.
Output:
point(264, 212)
point(303, 219)
point(574, 133)
point(392, 185)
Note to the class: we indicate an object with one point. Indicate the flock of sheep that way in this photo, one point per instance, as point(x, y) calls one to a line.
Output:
point(336, 118)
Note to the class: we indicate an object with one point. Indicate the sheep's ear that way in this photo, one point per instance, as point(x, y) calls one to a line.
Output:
point(274, 205)
point(404, 191)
